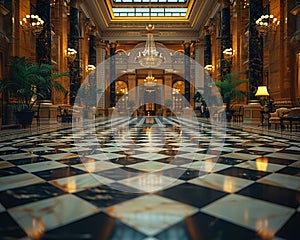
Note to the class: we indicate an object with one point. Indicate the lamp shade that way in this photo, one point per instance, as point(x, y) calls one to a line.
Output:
point(262, 91)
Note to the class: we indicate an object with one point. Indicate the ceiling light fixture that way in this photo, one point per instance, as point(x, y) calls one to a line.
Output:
point(150, 57)
point(150, 81)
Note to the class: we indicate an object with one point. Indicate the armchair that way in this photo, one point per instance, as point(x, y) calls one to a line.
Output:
point(275, 116)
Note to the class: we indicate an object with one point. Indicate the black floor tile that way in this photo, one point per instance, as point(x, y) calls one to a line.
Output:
point(96, 227)
point(291, 229)
point(230, 161)
point(9, 229)
point(119, 173)
point(278, 195)
point(10, 171)
point(293, 171)
point(23, 161)
point(106, 196)
point(31, 193)
point(202, 226)
point(126, 161)
point(192, 194)
point(243, 173)
point(181, 173)
point(71, 161)
point(280, 161)
point(56, 173)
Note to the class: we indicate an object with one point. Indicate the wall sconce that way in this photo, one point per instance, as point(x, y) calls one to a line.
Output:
point(209, 68)
point(32, 23)
point(267, 23)
point(70, 53)
point(228, 53)
point(90, 68)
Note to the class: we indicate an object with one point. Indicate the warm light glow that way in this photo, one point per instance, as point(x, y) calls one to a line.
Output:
point(32, 23)
point(262, 91)
point(90, 68)
point(263, 229)
point(209, 68)
point(228, 185)
point(71, 53)
point(71, 185)
point(262, 163)
point(229, 53)
point(267, 23)
point(37, 228)
point(150, 81)
point(150, 57)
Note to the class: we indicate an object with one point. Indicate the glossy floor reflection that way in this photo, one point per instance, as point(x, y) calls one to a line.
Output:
point(149, 179)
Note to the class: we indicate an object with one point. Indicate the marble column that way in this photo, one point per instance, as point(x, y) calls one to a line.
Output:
point(253, 108)
point(207, 49)
point(75, 76)
point(112, 49)
point(207, 61)
point(199, 68)
point(43, 39)
point(187, 69)
point(225, 64)
point(92, 61)
point(255, 49)
point(100, 72)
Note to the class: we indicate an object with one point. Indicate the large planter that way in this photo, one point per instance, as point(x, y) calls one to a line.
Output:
point(25, 118)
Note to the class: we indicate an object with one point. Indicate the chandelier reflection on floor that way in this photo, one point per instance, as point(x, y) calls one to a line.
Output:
point(150, 81)
point(150, 57)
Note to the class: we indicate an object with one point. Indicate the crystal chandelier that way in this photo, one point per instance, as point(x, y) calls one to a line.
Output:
point(150, 81)
point(150, 57)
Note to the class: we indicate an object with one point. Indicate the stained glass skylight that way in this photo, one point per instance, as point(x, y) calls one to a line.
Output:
point(145, 12)
point(147, 1)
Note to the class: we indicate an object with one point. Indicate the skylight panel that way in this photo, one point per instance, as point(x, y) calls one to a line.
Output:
point(148, 1)
point(161, 12)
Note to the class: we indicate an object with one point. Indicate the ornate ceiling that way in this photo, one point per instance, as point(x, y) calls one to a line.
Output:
point(168, 28)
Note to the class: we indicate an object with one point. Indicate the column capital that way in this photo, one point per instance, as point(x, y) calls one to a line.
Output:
point(199, 43)
point(113, 44)
point(91, 30)
point(101, 43)
point(187, 43)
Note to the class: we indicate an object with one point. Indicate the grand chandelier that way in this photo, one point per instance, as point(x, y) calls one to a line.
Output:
point(150, 81)
point(150, 57)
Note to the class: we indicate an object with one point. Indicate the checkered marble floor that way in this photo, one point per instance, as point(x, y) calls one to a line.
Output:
point(149, 179)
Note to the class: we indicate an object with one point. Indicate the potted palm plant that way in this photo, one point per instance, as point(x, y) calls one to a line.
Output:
point(230, 92)
point(26, 83)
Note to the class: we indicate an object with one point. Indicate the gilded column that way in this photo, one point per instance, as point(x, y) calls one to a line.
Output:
point(187, 68)
point(199, 70)
point(225, 64)
point(92, 62)
point(100, 71)
point(43, 40)
point(207, 61)
point(255, 49)
point(207, 47)
point(112, 50)
point(75, 77)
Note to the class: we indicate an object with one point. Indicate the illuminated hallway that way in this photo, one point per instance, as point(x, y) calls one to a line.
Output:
point(158, 178)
